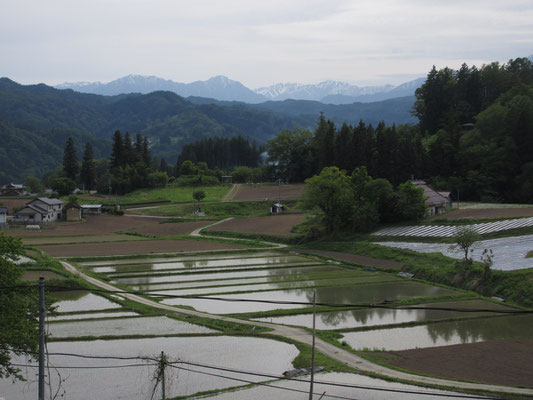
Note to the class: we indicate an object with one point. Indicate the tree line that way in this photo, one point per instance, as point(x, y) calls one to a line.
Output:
point(474, 137)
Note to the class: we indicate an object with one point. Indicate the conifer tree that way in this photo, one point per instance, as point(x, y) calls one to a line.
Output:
point(88, 169)
point(117, 150)
point(70, 161)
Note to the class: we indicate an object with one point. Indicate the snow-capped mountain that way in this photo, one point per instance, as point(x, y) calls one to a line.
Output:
point(218, 87)
point(225, 89)
point(283, 91)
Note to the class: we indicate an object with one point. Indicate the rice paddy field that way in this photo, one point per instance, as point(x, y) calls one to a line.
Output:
point(363, 308)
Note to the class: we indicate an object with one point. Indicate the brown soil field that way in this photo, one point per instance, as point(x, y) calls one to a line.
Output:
point(12, 203)
point(354, 258)
point(126, 248)
point(480, 213)
point(271, 225)
point(259, 192)
point(501, 362)
point(105, 224)
point(35, 275)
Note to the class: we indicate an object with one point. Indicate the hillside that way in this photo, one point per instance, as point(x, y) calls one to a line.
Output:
point(45, 117)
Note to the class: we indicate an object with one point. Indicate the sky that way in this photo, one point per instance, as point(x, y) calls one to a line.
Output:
point(259, 43)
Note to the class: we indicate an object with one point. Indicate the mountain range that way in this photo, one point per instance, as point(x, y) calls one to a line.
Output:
point(224, 89)
point(36, 120)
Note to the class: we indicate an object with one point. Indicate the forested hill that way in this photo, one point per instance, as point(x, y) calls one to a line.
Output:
point(37, 119)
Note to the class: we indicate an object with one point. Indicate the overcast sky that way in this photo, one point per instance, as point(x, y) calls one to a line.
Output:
point(258, 43)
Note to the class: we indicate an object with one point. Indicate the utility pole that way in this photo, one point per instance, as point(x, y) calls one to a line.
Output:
point(42, 311)
point(162, 365)
point(313, 348)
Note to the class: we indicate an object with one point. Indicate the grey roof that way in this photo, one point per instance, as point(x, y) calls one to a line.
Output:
point(49, 201)
point(434, 198)
point(3, 210)
point(31, 209)
point(13, 186)
point(95, 206)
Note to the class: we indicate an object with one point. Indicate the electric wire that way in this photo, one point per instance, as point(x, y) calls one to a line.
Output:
point(286, 302)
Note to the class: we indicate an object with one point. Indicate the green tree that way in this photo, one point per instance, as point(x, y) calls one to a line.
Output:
point(63, 186)
point(198, 196)
point(34, 184)
point(70, 161)
point(187, 168)
point(411, 202)
point(117, 151)
point(332, 193)
point(242, 174)
point(465, 239)
point(19, 309)
point(88, 168)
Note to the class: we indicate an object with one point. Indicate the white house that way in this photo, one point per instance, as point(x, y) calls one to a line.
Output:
point(41, 209)
point(91, 209)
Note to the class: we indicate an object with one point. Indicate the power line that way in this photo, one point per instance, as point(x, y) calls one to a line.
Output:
point(238, 371)
point(283, 302)
point(88, 366)
point(258, 383)
point(465, 396)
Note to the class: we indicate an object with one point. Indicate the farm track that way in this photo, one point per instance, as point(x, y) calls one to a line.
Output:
point(303, 336)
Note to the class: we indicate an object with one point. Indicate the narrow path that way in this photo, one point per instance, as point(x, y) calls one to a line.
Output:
point(231, 193)
point(303, 336)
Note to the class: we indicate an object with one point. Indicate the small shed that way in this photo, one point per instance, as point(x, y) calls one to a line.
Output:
point(72, 212)
point(276, 208)
point(91, 209)
point(3, 218)
point(3, 215)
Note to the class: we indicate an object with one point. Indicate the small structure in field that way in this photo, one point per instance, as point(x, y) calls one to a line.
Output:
point(13, 189)
point(276, 208)
point(91, 209)
point(436, 202)
point(72, 212)
point(3, 218)
point(41, 209)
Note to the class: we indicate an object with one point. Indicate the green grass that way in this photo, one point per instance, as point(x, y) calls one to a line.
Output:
point(175, 194)
point(216, 211)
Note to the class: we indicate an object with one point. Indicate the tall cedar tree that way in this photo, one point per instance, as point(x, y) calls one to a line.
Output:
point(88, 168)
point(70, 161)
point(117, 150)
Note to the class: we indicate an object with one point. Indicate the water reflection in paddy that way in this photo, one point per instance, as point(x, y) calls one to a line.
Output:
point(443, 333)
point(281, 285)
point(145, 280)
point(322, 273)
point(179, 258)
point(124, 327)
point(255, 354)
point(141, 270)
point(81, 300)
point(371, 293)
point(380, 316)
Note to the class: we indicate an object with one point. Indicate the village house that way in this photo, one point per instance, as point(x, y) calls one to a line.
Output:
point(436, 202)
point(41, 209)
point(13, 189)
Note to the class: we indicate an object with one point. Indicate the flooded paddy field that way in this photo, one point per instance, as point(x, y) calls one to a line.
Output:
point(443, 333)
point(91, 315)
point(325, 382)
point(146, 326)
point(221, 275)
point(294, 284)
point(81, 300)
point(370, 293)
point(104, 379)
point(159, 259)
point(358, 318)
